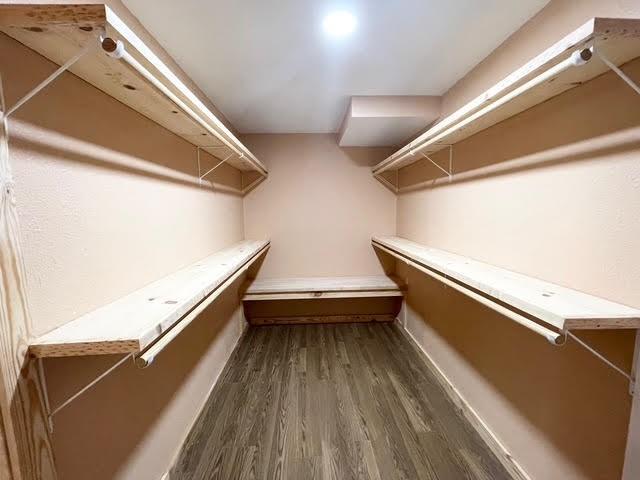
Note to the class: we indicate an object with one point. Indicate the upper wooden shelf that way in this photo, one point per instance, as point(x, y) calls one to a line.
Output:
point(134, 322)
point(323, 287)
point(618, 40)
point(561, 307)
point(58, 32)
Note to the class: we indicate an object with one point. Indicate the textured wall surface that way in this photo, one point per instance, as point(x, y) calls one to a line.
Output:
point(320, 206)
point(108, 203)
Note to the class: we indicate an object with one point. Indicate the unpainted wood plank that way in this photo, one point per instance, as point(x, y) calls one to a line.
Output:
point(318, 295)
point(39, 17)
point(558, 306)
point(133, 322)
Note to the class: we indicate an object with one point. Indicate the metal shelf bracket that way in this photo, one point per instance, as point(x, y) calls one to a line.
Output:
point(628, 80)
point(449, 172)
point(629, 376)
point(47, 81)
point(201, 176)
point(51, 412)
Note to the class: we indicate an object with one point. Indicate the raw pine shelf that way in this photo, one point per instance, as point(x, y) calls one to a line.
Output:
point(58, 32)
point(560, 307)
point(136, 321)
point(323, 287)
point(618, 40)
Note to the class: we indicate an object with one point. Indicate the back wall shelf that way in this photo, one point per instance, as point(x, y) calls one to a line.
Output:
point(548, 309)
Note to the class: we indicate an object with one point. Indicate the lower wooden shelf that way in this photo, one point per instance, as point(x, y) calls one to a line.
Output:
point(560, 307)
point(323, 287)
point(134, 322)
point(323, 319)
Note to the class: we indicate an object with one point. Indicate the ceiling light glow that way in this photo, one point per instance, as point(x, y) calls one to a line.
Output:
point(339, 24)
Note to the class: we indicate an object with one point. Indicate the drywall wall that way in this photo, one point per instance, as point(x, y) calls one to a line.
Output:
point(553, 193)
point(319, 206)
point(386, 120)
point(108, 202)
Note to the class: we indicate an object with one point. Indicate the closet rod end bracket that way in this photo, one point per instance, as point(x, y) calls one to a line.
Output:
point(113, 48)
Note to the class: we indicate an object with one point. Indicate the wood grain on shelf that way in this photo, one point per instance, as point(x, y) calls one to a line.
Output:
point(323, 287)
point(58, 32)
point(132, 323)
point(617, 39)
point(558, 306)
point(29, 450)
point(45, 16)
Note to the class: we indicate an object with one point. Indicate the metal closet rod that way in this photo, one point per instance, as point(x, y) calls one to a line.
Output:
point(577, 58)
point(555, 338)
point(116, 49)
point(147, 357)
point(552, 336)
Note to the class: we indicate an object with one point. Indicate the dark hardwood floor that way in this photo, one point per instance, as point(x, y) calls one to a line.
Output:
point(331, 402)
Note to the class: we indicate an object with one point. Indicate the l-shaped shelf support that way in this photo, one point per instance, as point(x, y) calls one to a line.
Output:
point(153, 312)
point(619, 72)
point(43, 381)
point(47, 81)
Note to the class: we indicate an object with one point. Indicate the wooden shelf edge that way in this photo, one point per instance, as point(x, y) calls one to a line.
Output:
point(617, 37)
point(137, 340)
point(57, 32)
point(530, 295)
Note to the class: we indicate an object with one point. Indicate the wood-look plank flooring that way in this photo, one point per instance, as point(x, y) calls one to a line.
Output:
point(347, 401)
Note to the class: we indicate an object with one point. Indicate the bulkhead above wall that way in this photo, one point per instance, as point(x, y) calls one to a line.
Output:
point(381, 121)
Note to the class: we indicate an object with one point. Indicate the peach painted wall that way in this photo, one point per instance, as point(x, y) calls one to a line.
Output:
point(553, 193)
point(319, 206)
point(109, 202)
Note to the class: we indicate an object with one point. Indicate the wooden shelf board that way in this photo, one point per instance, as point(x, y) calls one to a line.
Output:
point(617, 39)
point(132, 323)
point(558, 306)
point(58, 32)
point(323, 287)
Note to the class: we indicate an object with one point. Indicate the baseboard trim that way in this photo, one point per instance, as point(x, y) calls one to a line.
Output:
point(492, 441)
point(176, 455)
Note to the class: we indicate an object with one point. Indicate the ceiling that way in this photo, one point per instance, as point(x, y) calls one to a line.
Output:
point(270, 68)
